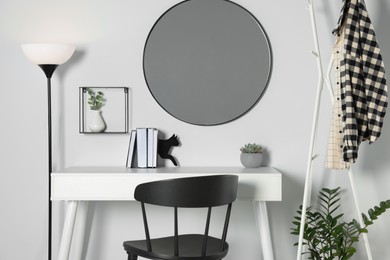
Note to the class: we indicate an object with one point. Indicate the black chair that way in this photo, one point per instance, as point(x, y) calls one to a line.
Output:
point(193, 192)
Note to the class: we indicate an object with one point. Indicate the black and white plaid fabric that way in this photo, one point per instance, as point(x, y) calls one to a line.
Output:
point(362, 76)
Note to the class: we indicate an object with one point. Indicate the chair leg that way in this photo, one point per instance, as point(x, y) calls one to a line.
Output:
point(132, 257)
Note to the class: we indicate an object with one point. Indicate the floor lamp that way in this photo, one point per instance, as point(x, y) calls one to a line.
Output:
point(48, 57)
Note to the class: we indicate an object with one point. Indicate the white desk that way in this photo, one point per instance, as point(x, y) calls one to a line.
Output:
point(78, 185)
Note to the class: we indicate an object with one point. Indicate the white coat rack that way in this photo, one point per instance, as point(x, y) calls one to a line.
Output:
point(312, 156)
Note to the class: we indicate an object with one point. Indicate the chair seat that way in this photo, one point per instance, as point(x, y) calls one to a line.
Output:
point(189, 248)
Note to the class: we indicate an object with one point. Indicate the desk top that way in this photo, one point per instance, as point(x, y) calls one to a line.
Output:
point(162, 170)
point(118, 183)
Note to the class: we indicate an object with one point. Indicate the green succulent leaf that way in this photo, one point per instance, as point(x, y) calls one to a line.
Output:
point(251, 148)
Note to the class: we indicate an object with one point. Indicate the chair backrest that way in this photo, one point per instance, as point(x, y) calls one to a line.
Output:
point(192, 192)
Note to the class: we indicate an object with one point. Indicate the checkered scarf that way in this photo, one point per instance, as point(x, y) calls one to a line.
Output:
point(362, 76)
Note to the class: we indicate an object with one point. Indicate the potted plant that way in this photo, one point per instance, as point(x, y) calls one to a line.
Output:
point(96, 101)
point(251, 155)
point(325, 235)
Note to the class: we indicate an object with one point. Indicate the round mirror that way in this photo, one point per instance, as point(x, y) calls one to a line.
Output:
point(207, 62)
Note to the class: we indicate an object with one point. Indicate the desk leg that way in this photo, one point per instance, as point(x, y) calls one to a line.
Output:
point(260, 208)
point(79, 238)
point(67, 233)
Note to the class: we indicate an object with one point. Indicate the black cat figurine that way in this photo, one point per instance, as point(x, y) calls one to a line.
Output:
point(164, 147)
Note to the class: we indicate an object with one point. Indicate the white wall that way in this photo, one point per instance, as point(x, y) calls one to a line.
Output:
point(110, 36)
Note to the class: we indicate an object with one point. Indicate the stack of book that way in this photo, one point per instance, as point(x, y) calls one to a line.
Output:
point(143, 147)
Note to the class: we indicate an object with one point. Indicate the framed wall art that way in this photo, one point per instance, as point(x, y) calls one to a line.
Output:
point(103, 110)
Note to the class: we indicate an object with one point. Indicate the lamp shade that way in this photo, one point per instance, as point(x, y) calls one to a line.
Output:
point(48, 53)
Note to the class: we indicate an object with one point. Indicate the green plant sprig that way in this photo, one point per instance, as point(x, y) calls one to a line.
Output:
point(325, 235)
point(251, 148)
point(95, 101)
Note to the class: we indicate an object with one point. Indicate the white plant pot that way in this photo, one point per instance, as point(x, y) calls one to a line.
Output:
point(97, 123)
point(251, 160)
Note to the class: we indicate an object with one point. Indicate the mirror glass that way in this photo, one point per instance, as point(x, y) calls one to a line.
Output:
point(207, 62)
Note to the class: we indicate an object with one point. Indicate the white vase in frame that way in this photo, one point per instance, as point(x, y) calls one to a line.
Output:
point(97, 124)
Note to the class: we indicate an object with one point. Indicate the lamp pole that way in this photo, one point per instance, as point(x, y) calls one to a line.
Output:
point(49, 69)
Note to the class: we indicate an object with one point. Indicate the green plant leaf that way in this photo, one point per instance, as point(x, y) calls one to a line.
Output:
point(351, 250)
point(356, 224)
point(334, 210)
point(339, 216)
point(326, 235)
point(354, 239)
point(366, 220)
point(363, 230)
point(372, 214)
point(378, 210)
point(333, 202)
point(386, 204)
